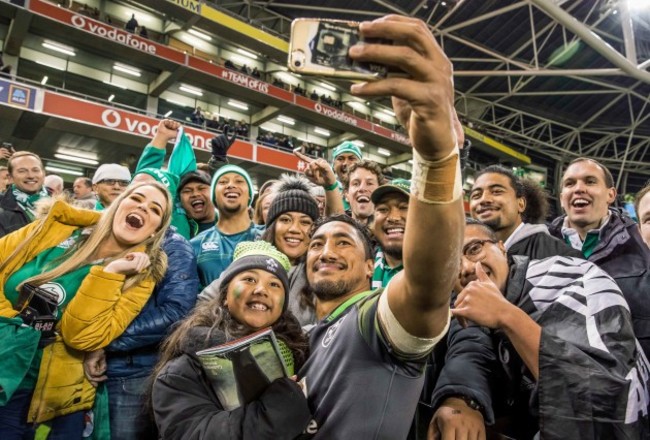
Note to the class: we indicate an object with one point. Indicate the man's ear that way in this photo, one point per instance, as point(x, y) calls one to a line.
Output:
point(370, 268)
point(611, 195)
point(521, 204)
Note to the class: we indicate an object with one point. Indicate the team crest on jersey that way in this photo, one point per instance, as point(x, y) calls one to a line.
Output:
point(210, 246)
point(331, 333)
point(67, 243)
point(57, 289)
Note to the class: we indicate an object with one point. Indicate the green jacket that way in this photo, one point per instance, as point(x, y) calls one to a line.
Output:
point(182, 160)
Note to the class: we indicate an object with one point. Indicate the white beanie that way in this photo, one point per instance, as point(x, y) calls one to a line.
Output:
point(111, 171)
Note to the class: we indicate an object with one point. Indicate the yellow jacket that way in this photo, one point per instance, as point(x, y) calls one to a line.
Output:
point(98, 313)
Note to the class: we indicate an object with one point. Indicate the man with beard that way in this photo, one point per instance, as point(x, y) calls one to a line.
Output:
point(194, 195)
point(363, 178)
point(515, 209)
point(369, 350)
point(232, 193)
point(343, 156)
point(391, 209)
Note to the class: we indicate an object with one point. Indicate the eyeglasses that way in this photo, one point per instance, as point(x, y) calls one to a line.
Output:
point(112, 182)
point(474, 251)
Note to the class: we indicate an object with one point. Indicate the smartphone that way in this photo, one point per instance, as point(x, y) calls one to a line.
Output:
point(320, 47)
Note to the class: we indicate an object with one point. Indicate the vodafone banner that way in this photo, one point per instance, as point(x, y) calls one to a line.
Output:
point(104, 30)
point(125, 38)
point(70, 108)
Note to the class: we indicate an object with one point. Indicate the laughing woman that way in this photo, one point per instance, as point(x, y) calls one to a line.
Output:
point(103, 267)
point(288, 227)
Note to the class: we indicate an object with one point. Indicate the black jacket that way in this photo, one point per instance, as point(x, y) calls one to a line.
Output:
point(186, 406)
point(12, 217)
point(622, 253)
point(535, 242)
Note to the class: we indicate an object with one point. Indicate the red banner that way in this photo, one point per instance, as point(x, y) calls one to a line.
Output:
point(390, 134)
point(105, 30)
point(99, 115)
point(96, 114)
point(111, 33)
point(240, 79)
point(279, 159)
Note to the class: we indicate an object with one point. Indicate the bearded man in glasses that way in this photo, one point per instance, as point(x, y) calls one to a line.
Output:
point(560, 356)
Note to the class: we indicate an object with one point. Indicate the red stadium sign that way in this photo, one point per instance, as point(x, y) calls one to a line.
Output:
point(125, 38)
point(105, 30)
point(78, 110)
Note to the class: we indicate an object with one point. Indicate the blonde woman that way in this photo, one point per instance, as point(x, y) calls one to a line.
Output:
point(103, 267)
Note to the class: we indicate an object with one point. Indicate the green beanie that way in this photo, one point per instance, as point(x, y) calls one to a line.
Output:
point(227, 169)
point(347, 147)
point(168, 179)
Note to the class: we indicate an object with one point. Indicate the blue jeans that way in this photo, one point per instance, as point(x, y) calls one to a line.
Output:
point(14, 426)
point(127, 404)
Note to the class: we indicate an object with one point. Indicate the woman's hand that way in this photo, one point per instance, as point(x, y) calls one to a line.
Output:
point(95, 367)
point(131, 264)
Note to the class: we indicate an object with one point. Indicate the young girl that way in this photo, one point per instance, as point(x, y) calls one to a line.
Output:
point(252, 296)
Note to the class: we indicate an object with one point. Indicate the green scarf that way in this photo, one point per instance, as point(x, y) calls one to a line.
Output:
point(27, 201)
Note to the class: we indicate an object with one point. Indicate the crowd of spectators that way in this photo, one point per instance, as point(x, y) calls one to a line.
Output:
point(394, 316)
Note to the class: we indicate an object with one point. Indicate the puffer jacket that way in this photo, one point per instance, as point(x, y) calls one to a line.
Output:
point(622, 253)
point(135, 352)
point(186, 406)
point(98, 313)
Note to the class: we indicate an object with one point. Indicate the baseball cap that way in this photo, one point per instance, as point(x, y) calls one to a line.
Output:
point(396, 185)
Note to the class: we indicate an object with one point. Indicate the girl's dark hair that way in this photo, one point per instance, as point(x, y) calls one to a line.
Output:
point(269, 233)
point(215, 315)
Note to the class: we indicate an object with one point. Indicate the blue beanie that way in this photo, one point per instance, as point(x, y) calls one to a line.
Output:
point(227, 169)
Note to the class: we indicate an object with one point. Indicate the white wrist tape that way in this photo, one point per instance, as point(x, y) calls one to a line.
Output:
point(401, 340)
point(437, 182)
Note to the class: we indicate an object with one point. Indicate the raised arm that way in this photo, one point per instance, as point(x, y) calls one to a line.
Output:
point(419, 296)
point(320, 173)
point(153, 155)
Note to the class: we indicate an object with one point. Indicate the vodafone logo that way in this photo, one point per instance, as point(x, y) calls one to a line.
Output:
point(335, 114)
point(145, 127)
point(112, 33)
point(111, 118)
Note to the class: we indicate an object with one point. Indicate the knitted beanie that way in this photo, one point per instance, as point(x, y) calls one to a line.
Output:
point(292, 194)
point(227, 169)
point(347, 147)
point(168, 179)
point(259, 255)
